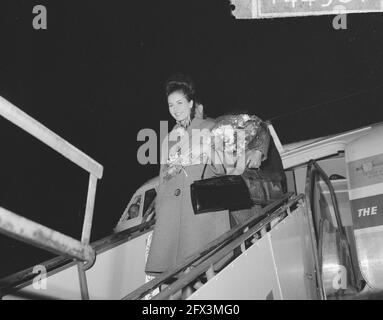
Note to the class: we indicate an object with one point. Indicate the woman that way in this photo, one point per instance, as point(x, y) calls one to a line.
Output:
point(178, 232)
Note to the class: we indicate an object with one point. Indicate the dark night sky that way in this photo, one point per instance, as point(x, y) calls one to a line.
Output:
point(95, 77)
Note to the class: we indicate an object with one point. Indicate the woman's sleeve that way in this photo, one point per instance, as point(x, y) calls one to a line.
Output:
point(261, 141)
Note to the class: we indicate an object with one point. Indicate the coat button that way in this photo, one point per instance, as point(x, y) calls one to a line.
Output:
point(177, 192)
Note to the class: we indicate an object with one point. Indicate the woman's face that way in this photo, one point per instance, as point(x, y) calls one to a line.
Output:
point(179, 106)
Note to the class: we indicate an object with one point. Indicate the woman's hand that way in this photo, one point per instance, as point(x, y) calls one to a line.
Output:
point(253, 159)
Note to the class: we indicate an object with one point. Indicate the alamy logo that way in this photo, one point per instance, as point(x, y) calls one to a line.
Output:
point(40, 281)
point(195, 147)
point(340, 20)
point(40, 20)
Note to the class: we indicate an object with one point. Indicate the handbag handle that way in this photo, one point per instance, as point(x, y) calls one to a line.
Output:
point(203, 172)
point(204, 169)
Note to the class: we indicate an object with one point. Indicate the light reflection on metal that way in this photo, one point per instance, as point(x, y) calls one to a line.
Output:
point(342, 255)
point(332, 267)
point(370, 253)
point(38, 235)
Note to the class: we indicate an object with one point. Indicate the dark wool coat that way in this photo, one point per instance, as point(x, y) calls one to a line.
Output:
point(178, 232)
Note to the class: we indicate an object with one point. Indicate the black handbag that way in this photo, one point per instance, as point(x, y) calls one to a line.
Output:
point(219, 193)
point(234, 192)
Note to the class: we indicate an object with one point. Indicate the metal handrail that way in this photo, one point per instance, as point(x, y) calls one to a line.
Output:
point(186, 278)
point(207, 252)
point(71, 246)
point(23, 278)
point(19, 228)
point(48, 137)
point(314, 170)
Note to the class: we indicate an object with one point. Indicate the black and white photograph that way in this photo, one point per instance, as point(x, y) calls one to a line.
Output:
point(213, 151)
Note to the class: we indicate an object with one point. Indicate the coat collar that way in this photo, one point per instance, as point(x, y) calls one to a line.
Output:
point(195, 123)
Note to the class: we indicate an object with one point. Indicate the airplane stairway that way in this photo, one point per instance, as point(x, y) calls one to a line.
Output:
point(233, 278)
point(302, 247)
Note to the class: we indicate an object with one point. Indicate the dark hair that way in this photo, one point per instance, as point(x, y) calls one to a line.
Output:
point(180, 82)
point(185, 84)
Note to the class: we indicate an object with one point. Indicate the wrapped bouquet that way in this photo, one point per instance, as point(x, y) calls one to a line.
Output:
point(186, 152)
point(230, 138)
point(232, 134)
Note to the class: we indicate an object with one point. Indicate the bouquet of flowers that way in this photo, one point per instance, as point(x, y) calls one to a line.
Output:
point(233, 133)
point(186, 152)
point(230, 137)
